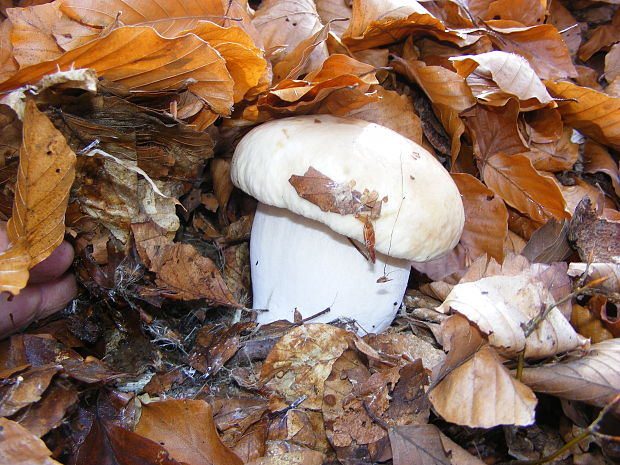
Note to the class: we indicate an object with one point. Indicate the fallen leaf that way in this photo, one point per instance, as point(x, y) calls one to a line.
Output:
point(50, 411)
point(541, 45)
point(512, 74)
point(593, 378)
point(309, 457)
point(486, 219)
point(602, 36)
point(18, 446)
point(420, 444)
point(26, 388)
point(463, 396)
point(46, 171)
point(549, 243)
point(186, 430)
point(215, 345)
point(300, 362)
point(593, 113)
point(528, 13)
point(589, 324)
point(157, 63)
point(515, 180)
point(500, 306)
point(596, 159)
point(109, 443)
point(494, 129)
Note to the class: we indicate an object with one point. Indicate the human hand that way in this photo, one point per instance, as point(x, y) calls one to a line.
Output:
point(49, 289)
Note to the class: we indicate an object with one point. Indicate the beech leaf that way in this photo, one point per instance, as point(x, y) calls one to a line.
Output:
point(185, 428)
point(18, 446)
point(501, 305)
point(481, 393)
point(593, 378)
point(515, 180)
point(594, 113)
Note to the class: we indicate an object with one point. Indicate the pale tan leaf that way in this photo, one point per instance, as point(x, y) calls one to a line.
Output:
point(18, 446)
point(43, 32)
point(611, 271)
point(514, 179)
point(419, 444)
point(14, 266)
point(481, 393)
point(283, 25)
point(612, 63)
point(308, 55)
point(593, 378)
point(334, 9)
point(500, 305)
point(148, 62)
point(593, 113)
point(45, 176)
point(305, 457)
point(512, 73)
point(185, 428)
point(541, 45)
point(300, 362)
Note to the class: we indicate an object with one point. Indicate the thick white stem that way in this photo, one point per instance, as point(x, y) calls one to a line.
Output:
point(297, 263)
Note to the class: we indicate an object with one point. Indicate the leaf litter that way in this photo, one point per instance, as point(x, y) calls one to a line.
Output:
point(519, 102)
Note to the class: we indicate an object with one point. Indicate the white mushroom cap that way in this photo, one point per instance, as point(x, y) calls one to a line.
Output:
point(423, 215)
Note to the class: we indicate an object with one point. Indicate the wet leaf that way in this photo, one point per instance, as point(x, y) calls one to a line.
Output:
point(186, 430)
point(18, 446)
point(25, 388)
point(593, 378)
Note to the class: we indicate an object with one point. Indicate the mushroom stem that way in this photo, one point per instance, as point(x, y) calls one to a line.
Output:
point(301, 264)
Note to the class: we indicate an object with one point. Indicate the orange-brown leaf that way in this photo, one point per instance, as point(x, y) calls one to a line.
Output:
point(594, 113)
point(486, 219)
point(514, 179)
point(140, 59)
point(18, 445)
point(185, 428)
point(541, 45)
point(46, 173)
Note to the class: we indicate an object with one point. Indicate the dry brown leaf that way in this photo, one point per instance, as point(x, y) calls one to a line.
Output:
point(149, 62)
point(494, 129)
point(593, 113)
point(593, 378)
point(486, 219)
point(42, 33)
point(500, 306)
point(299, 363)
point(8, 64)
point(589, 324)
point(46, 171)
point(342, 82)
point(595, 271)
point(379, 22)
point(20, 447)
point(527, 12)
point(447, 91)
point(602, 36)
point(185, 428)
point(169, 19)
point(549, 243)
point(481, 393)
point(612, 64)
point(596, 159)
point(512, 74)
point(330, 10)
point(308, 55)
point(541, 45)
point(187, 275)
point(392, 110)
point(514, 179)
point(544, 126)
point(419, 444)
point(283, 25)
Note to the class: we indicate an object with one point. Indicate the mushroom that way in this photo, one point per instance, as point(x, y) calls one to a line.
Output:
point(345, 206)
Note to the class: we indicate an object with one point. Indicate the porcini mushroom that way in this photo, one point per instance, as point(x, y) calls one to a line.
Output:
point(333, 194)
